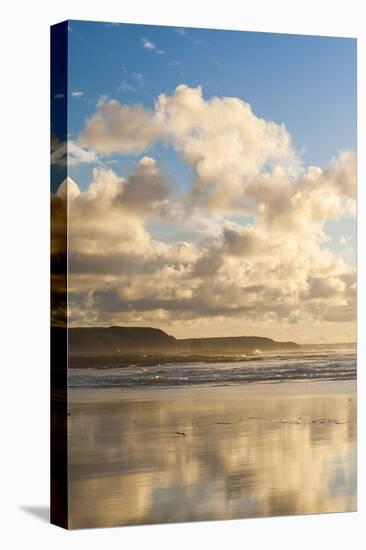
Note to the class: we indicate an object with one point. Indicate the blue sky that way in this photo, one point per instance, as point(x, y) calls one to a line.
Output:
point(308, 83)
point(220, 200)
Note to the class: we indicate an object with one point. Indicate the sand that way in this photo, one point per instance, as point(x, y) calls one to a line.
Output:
point(214, 452)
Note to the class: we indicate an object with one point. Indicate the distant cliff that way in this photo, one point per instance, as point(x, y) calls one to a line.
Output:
point(119, 341)
point(114, 341)
point(233, 344)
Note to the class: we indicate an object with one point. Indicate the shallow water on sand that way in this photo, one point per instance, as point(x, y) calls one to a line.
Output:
point(190, 455)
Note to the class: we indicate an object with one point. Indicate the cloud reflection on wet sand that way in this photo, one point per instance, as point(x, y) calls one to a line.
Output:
point(159, 460)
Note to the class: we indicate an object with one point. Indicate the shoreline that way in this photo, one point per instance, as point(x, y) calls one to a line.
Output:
point(288, 389)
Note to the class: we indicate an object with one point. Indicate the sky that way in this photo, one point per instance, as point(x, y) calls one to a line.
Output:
point(215, 173)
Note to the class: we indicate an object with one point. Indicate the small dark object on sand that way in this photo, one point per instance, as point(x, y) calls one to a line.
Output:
point(181, 433)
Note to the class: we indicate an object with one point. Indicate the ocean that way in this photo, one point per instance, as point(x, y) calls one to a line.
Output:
point(309, 363)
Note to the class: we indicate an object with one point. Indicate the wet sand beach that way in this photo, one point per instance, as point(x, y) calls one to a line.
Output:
point(214, 452)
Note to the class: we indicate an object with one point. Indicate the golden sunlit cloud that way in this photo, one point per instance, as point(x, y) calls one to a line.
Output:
point(273, 269)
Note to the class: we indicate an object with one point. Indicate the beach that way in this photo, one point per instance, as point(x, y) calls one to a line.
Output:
point(194, 453)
